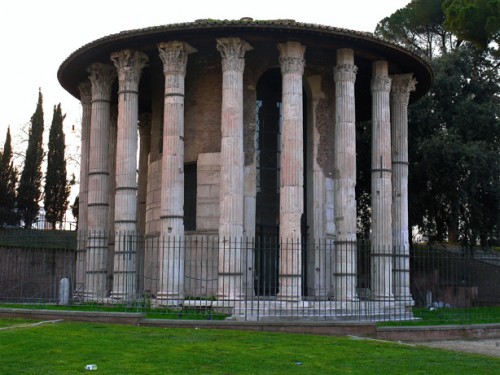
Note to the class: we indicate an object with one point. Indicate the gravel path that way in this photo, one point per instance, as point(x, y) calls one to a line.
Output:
point(489, 347)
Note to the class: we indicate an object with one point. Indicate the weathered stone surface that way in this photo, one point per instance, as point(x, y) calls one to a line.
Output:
point(292, 168)
point(402, 85)
point(174, 55)
point(101, 77)
point(345, 177)
point(381, 240)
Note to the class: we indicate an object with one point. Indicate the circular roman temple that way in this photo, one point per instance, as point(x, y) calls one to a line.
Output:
point(219, 162)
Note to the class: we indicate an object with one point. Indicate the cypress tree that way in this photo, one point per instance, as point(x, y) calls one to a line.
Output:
point(57, 187)
point(8, 181)
point(29, 190)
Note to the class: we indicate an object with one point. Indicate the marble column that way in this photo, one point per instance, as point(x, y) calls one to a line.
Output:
point(85, 89)
point(344, 161)
point(101, 76)
point(292, 171)
point(142, 180)
point(402, 85)
point(174, 56)
point(232, 187)
point(381, 230)
point(129, 65)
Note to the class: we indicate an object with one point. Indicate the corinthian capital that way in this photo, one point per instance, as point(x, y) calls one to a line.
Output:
point(402, 85)
point(101, 76)
point(381, 84)
point(345, 72)
point(174, 55)
point(233, 51)
point(129, 64)
point(85, 89)
point(292, 57)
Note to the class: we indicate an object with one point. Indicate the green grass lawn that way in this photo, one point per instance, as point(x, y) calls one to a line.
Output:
point(65, 348)
point(450, 316)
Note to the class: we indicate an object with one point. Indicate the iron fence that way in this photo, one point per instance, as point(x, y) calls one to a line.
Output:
point(205, 277)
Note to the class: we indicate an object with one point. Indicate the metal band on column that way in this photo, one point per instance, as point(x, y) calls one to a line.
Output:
point(402, 85)
point(345, 177)
point(174, 56)
point(292, 172)
point(129, 65)
point(232, 189)
point(381, 241)
point(85, 89)
point(101, 77)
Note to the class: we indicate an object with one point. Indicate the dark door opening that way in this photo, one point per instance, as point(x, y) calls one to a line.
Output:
point(268, 130)
point(267, 225)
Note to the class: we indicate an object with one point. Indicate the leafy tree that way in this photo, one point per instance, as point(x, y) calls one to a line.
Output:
point(57, 187)
point(419, 27)
point(8, 181)
point(454, 131)
point(29, 190)
point(477, 21)
point(75, 209)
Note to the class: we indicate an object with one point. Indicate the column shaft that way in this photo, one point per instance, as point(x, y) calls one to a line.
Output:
point(345, 177)
point(101, 77)
point(174, 56)
point(381, 240)
point(129, 65)
point(401, 86)
point(232, 168)
point(292, 171)
point(86, 101)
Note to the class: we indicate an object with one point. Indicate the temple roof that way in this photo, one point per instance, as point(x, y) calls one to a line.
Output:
point(73, 69)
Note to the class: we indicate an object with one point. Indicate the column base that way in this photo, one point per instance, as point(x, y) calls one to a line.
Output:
point(169, 299)
point(290, 288)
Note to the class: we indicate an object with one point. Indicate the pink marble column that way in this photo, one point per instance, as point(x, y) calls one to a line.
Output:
point(129, 65)
point(85, 89)
point(381, 236)
point(232, 187)
point(101, 76)
point(345, 177)
point(174, 56)
point(292, 171)
point(402, 85)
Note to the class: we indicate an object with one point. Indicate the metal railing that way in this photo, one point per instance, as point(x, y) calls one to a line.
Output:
point(251, 279)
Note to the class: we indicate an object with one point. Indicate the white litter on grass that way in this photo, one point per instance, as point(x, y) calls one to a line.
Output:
point(30, 325)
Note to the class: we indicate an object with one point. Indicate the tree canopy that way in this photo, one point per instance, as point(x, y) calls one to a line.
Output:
point(477, 21)
point(454, 131)
point(8, 181)
point(57, 187)
point(29, 190)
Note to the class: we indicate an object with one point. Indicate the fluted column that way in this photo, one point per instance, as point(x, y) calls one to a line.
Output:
point(85, 89)
point(101, 76)
point(142, 182)
point(232, 191)
point(174, 56)
point(381, 240)
point(292, 171)
point(402, 85)
point(345, 177)
point(129, 65)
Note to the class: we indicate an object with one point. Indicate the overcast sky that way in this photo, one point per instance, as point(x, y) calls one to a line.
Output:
point(37, 35)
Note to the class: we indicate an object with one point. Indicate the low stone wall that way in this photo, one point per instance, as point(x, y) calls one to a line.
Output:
point(34, 274)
